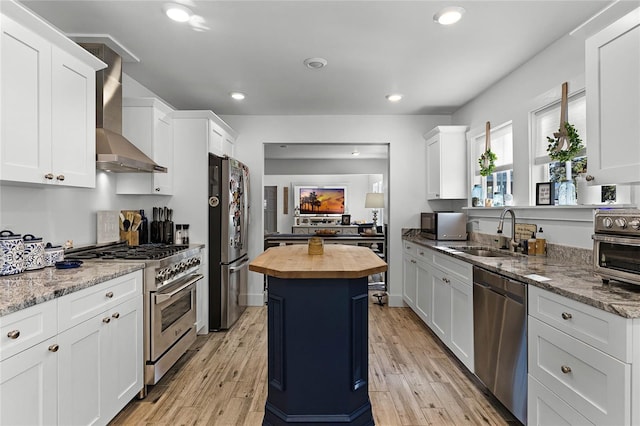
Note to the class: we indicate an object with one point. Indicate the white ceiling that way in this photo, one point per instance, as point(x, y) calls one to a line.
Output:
point(373, 48)
point(334, 151)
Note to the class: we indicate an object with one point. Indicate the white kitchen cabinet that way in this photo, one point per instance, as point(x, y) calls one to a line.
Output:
point(446, 152)
point(193, 140)
point(47, 103)
point(29, 386)
point(28, 354)
point(565, 365)
point(441, 299)
point(546, 408)
point(77, 359)
point(100, 366)
point(461, 332)
point(612, 61)
point(424, 292)
point(148, 124)
point(409, 274)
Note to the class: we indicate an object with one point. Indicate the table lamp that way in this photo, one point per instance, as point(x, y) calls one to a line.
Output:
point(375, 201)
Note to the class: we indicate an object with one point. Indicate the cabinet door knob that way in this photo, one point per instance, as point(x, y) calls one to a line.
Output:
point(54, 347)
point(157, 189)
point(566, 316)
point(60, 178)
point(49, 176)
point(421, 253)
point(589, 178)
point(116, 315)
point(109, 294)
point(106, 320)
point(565, 369)
point(13, 334)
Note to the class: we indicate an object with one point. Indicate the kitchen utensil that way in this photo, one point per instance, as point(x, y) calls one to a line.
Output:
point(33, 253)
point(137, 219)
point(143, 229)
point(53, 254)
point(68, 264)
point(11, 253)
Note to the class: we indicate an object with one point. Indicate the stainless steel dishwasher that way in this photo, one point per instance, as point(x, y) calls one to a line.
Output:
point(500, 338)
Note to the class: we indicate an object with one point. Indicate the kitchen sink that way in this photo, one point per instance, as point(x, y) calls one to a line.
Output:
point(484, 252)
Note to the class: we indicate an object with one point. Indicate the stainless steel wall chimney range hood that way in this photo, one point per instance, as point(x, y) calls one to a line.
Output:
point(114, 152)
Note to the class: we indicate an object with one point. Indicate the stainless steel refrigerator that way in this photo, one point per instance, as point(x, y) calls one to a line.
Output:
point(228, 231)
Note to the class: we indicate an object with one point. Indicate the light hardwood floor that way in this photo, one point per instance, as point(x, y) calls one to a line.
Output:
point(413, 379)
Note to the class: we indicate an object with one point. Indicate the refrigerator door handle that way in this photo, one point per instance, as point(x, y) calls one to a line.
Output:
point(233, 269)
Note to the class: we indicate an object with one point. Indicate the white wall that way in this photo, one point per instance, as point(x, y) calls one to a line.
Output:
point(357, 187)
point(535, 84)
point(406, 187)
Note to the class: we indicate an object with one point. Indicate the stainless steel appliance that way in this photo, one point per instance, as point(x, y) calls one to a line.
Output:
point(616, 245)
point(446, 226)
point(228, 231)
point(500, 338)
point(169, 293)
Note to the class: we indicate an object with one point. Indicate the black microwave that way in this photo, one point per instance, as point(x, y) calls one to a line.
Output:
point(443, 226)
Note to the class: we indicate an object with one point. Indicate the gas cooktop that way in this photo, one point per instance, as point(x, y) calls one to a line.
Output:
point(122, 251)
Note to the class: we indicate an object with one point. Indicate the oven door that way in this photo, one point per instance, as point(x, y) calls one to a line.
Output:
point(617, 257)
point(173, 313)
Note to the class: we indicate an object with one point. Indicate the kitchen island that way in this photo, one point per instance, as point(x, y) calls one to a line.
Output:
point(318, 333)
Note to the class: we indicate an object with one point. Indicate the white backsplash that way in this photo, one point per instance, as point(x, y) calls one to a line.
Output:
point(58, 214)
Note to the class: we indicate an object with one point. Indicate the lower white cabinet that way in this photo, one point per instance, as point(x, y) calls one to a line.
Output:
point(546, 408)
point(568, 376)
point(409, 275)
point(29, 386)
point(84, 372)
point(439, 289)
point(102, 353)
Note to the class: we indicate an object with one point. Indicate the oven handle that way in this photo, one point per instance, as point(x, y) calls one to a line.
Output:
point(163, 297)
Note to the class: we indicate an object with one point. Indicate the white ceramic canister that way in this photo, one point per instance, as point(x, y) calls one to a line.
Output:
point(11, 253)
point(53, 254)
point(33, 253)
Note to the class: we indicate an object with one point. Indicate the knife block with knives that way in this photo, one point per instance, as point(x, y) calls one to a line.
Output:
point(129, 223)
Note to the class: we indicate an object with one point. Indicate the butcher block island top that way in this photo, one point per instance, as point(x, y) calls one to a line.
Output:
point(338, 261)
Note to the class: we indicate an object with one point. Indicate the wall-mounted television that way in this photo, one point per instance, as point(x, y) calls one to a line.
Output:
point(313, 200)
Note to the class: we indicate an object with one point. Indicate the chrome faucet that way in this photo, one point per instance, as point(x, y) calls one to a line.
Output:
point(512, 243)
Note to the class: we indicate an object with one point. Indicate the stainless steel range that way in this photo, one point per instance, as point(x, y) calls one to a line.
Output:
point(170, 276)
point(616, 245)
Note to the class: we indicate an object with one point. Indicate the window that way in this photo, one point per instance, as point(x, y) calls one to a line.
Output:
point(498, 186)
point(545, 122)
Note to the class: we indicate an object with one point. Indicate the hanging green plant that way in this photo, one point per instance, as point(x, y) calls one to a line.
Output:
point(568, 136)
point(487, 162)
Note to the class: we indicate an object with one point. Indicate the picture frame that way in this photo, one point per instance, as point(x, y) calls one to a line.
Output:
point(545, 193)
point(346, 219)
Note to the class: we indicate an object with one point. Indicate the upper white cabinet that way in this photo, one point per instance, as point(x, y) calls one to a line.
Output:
point(613, 101)
point(47, 103)
point(148, 124)
point(446, 163)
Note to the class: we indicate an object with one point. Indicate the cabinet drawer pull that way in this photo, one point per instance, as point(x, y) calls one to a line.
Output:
point(565, 369)
point(421, 253)
point(116, 315)
point(566, 316)
point(13, 334)
point(413, 261)
point(49, 176)
point(54, 347)
point(589, 178)
point(109, 294)
point(60, 178)
point(446, 280)
point(157, 189)
point(106, 320)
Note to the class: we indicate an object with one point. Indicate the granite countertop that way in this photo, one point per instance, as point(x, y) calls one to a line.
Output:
point(574, 281)
point(29, 288)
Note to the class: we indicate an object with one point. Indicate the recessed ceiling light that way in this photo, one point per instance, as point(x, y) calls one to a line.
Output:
point(394, 97)
point(355, 153)
point(238, 96)
point(315, 63)
point(177, 12)
point(449, 15)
